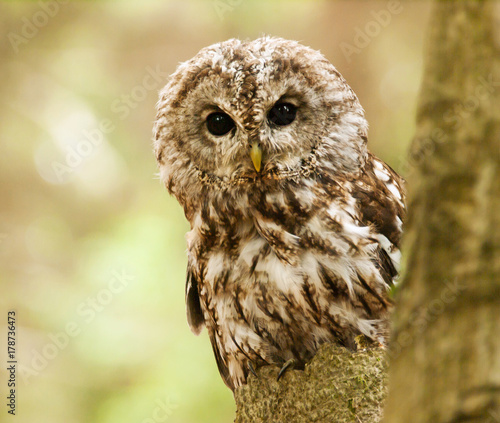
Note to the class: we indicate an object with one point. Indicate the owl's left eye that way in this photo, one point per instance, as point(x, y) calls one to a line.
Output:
point(282, 114)
point(219, 123)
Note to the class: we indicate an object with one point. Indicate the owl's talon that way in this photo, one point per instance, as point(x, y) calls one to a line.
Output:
point(252, 369)
point(288, 364)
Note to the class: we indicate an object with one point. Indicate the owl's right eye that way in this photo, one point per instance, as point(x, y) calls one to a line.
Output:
point(219, 123)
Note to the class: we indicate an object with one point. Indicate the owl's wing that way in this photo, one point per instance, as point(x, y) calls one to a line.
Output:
point(197, 321)
point(194, 313)
point(380, 197)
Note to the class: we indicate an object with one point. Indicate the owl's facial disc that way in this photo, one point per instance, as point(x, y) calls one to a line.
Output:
point(257, 142)
point(253, 142)
point(240, 113)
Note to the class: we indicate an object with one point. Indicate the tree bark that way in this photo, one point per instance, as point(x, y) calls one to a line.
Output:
point(445, 351)
point(337, 386)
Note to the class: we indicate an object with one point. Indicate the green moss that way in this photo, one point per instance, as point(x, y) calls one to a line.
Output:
point(336, 386)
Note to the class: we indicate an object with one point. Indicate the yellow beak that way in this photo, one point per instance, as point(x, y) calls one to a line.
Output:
point(256, 155)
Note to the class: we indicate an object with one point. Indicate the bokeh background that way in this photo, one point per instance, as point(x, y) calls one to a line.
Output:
point(92, 250)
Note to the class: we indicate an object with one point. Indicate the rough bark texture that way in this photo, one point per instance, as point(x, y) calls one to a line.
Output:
point(445, 354)
point(336, 386)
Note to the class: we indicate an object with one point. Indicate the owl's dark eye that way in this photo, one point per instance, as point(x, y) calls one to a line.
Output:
point(282, 114)
point(219, 123)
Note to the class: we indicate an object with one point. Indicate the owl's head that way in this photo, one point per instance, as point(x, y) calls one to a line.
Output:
point(243, 113)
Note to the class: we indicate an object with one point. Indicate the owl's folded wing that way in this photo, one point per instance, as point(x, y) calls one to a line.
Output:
point(381, 200)
point(194, 313)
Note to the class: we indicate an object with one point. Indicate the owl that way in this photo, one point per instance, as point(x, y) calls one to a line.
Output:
point(295, 225)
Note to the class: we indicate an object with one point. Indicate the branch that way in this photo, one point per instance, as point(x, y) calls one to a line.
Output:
point(336, 386)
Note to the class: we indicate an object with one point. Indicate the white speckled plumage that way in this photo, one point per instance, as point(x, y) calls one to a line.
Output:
point(302, 251)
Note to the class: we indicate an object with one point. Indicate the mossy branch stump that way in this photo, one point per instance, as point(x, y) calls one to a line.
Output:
point(336, 386)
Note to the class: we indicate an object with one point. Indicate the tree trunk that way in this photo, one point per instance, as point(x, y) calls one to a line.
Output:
point(445, 351)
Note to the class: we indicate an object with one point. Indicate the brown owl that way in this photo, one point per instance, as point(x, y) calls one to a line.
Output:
point(295, 225)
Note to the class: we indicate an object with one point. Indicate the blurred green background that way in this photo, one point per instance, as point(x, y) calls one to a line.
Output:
point(92, 250)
